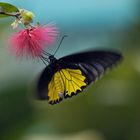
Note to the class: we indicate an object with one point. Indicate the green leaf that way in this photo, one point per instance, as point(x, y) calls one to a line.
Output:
point(7, 8)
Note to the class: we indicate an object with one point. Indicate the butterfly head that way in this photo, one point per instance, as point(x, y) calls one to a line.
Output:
point(49, 58)
point(52, 59)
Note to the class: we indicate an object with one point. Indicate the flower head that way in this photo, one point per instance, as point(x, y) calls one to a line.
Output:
point(31, 41)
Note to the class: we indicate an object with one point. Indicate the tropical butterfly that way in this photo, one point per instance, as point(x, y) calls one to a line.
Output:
point(69, 75)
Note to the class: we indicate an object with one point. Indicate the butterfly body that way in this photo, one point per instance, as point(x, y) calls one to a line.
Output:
point(69, 75)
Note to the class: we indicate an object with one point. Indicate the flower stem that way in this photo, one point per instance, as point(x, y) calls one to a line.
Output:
point(10, 14)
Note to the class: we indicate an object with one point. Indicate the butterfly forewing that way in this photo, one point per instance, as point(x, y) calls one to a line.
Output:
point(93, 63)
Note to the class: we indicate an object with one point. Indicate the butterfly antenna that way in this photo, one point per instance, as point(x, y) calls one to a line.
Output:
point(46, 53)
point(60, 44)
point(44, 60)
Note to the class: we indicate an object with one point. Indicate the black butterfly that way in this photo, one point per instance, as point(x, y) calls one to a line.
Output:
point(69, 75)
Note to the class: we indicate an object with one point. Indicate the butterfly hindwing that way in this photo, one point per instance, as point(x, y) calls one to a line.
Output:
point(74, 81)
point(65, 83)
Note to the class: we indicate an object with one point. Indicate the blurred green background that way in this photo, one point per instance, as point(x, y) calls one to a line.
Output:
point(107, 110)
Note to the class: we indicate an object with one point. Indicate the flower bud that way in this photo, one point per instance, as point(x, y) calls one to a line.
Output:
point(26, 16)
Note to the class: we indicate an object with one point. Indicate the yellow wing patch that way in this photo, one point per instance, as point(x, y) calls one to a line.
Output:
point(66, 82)
point(55, 88)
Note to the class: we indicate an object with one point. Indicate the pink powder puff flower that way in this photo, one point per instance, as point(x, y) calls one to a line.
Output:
point(31, 41)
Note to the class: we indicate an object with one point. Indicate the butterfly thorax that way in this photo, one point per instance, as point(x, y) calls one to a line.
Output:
point(54, 63)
